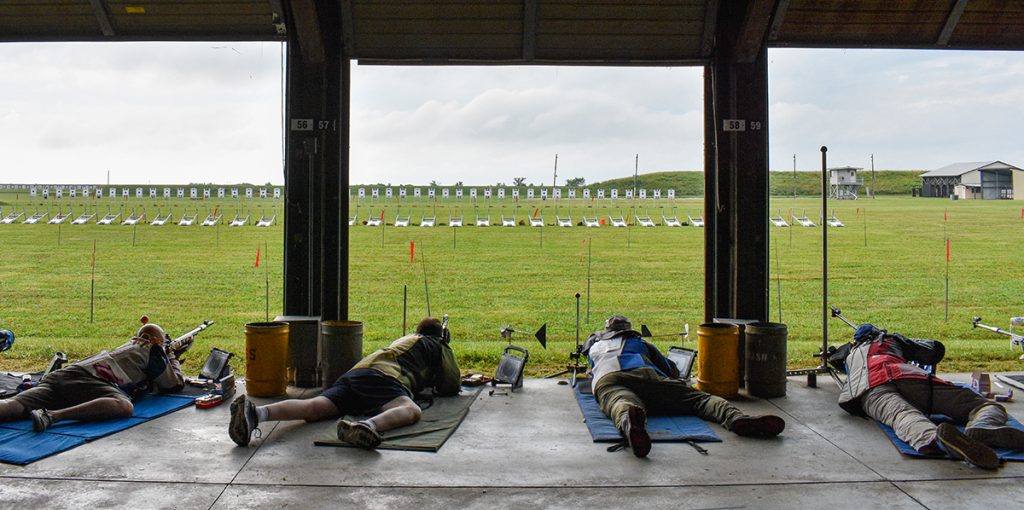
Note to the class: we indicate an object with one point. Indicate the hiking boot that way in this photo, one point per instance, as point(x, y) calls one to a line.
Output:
point(359, 434)
point(932, 449)
point(636, 431)
point(243, 420)
point(960, 446)
point(997, 437)
point(41, 420)
point(758, 426)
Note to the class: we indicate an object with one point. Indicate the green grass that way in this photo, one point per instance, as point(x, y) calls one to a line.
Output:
point(485, 278)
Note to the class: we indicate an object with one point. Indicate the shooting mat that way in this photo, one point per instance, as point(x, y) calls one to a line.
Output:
point(906, 449)
point(660, 428)
point(438, 423)
point(20, 445)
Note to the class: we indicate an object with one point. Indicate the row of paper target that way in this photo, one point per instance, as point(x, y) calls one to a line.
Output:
point(515, 193)
point(123, 192)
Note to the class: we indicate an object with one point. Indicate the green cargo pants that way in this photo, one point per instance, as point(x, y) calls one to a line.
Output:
point(644, 388)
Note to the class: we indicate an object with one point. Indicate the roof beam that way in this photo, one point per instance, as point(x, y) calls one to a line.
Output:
point(707, 43)
point(307, 28)
point(102, 17)
point(529, 30)
point(777, 19)
point(752, 32)
point(951, 22)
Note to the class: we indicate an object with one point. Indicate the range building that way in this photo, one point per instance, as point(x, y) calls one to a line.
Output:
point(986, 180)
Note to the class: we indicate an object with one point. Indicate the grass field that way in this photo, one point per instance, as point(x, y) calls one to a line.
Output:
point(485, 278)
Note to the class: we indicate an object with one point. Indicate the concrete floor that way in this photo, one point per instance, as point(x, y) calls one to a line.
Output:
point(529, 450)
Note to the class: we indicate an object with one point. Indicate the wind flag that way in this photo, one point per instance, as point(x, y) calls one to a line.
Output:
point(412, 251)
point(382, 214)
point(945, 215)
point(535, 211)
point(947, 251)
point(215, 209)
point(257, 255)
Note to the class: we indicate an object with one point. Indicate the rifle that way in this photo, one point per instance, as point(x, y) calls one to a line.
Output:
point(179, 346)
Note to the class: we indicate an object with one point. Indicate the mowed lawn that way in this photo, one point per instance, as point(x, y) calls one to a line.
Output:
point(486, 278)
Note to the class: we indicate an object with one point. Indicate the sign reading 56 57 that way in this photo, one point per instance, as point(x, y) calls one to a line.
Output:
point(314, 125)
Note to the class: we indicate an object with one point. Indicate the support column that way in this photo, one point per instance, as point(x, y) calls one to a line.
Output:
point(316, 168)
point(736, 172)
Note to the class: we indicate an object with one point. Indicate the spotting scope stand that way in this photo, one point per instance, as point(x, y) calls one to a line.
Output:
point(824, 367)
point(574, 366)
point(1016, 341)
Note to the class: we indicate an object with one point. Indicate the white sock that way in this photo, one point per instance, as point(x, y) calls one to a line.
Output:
point(262, 414)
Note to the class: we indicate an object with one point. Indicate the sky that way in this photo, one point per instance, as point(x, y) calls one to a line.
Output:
point(156, 113)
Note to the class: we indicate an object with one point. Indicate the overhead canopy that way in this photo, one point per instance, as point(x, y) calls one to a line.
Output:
point(641, 32)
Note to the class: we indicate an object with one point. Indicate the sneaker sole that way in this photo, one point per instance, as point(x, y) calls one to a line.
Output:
point(974, 452)
point(355, 435)
point(762, 426)
point(238, 429)
point(638, 438)
point(999, 437)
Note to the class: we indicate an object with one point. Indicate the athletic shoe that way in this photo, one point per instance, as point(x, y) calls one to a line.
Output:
point(358, 434)
point(243, 420)
point(962, 447)
point(997, 437)
point(758, 426)
point(41, 420)
point(636, 431)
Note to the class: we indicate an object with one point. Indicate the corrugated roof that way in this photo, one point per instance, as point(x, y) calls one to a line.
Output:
point(641, 32)
point(958, 169)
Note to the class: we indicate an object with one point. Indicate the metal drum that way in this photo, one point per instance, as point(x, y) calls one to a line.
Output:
point(302, 346)
point(266, 359)
point(717, 359)
point(766, 359)
point(340, 346)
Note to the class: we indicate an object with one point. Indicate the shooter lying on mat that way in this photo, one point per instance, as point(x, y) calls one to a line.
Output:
point(630, 377)
point(382, 384)
point(101, 386)
point(885, 381)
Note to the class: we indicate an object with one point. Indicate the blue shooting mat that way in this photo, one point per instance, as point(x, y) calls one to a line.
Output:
point(20, 445)
point(660, 428)
point(906, 449)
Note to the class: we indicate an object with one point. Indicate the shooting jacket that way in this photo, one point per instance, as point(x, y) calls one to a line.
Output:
point(133, 367)
point(615, 351)
point(418, 362)
point(883, 359)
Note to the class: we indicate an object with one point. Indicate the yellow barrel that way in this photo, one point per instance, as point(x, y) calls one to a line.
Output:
point(266, 358)
point(718, 359)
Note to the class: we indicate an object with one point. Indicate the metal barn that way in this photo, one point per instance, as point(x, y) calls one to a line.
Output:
point(985, 180)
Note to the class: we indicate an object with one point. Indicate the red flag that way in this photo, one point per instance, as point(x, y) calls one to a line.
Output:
point(945, 215)
point(412, 251)
point(382, 214)
point(535, 211)
point(257, 255)
point(1022, 213)
point(947, 251)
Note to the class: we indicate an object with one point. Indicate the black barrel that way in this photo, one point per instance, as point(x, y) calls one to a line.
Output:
point(340, 347)
point(766, 359)
point(302, 349)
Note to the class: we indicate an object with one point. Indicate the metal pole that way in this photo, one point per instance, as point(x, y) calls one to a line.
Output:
point(778, 280)
point(824, 260)
point(872, 176)
point(405, 307)
point(590, 252)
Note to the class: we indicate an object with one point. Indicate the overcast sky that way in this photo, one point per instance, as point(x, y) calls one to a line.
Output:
point(211, 112)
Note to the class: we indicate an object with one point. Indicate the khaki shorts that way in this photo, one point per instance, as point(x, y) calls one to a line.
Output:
point(67, 387)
